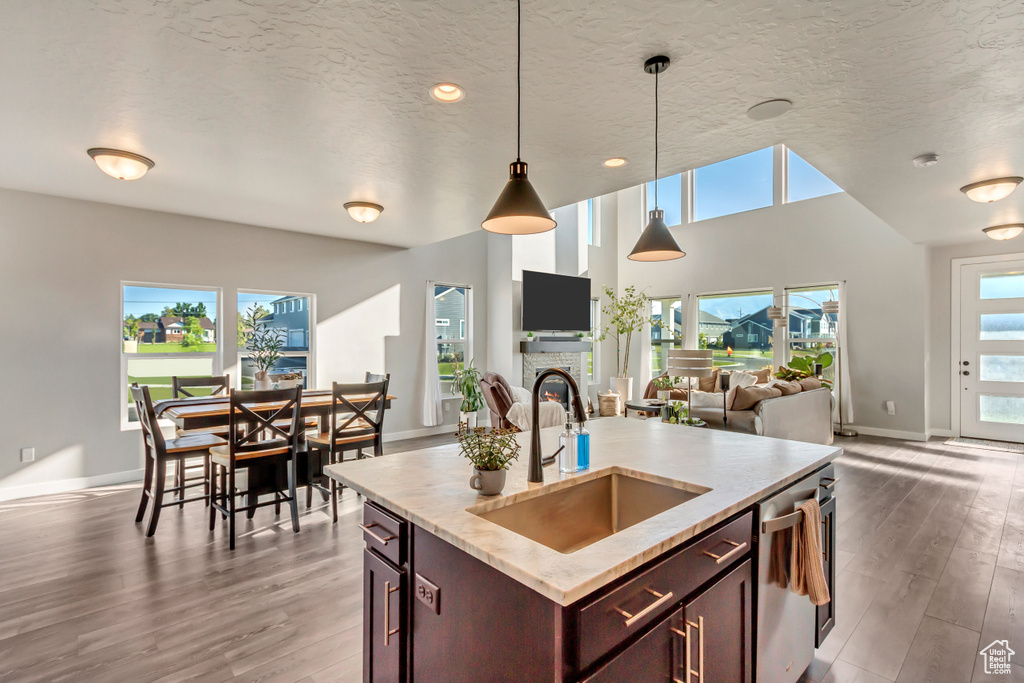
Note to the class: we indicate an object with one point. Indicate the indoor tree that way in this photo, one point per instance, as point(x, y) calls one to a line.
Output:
point(625, 315)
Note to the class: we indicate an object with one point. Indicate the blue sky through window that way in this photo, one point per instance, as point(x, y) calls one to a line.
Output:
point(732, 306)
point(807, 182)
point(739, 184)
point(590, 221)
point(141, 300)
point(670, 198)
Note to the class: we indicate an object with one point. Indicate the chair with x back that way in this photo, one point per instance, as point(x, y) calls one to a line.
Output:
point(159, 452)
point(356, 422)
point(264, 434)
point(188, 387)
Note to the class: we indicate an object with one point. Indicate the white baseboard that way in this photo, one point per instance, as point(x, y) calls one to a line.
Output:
point(45, 488)
point(944, 433)
point(415, 433)
point(891, 433)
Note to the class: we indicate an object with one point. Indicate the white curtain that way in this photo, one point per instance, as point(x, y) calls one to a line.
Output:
point(432, 408)
point(691, 328)
point(844, 360)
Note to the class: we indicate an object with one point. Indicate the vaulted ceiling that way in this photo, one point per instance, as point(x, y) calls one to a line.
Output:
point(276, 112)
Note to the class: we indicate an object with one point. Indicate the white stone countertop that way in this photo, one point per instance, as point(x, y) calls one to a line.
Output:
point(430, 488)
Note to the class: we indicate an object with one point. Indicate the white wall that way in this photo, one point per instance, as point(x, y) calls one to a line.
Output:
point(62, 265)
point(940, 362)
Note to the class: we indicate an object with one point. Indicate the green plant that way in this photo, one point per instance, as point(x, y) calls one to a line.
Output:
point(665, 382)
point(131, 328)
point(467, 382)
point(802, 367)
point(625, 314)
point(264, 342)
point(529, 335)
point(192, 340)
point(677, 412)
point(488, 451)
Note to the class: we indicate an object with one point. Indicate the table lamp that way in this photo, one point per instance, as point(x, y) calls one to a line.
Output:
point(689, 364)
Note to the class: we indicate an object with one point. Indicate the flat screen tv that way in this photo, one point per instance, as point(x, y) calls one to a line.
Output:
point(555, 303)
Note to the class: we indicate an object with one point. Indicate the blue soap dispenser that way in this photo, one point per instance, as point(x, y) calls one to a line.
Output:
point(582, 447)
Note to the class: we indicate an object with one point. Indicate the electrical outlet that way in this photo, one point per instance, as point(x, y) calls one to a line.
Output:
point(890, 407)
point(28, 454)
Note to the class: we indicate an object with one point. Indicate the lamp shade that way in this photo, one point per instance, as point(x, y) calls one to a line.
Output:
point(1004, 232)
point(119, 164)
point(519, 210)
point(689, 363)
point(656, 242)
point(992, 190)
point(829, 307)
point(776, 313)
point(364, 212)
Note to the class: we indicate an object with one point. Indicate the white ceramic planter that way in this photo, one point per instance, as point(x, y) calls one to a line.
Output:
point(664, 394)
point(623, 386)
point(469, 419)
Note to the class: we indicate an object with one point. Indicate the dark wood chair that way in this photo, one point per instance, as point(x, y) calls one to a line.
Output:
point(373, 377)
point(265, 445)
point(159, 453)
point(185, 475)
point(356, 422)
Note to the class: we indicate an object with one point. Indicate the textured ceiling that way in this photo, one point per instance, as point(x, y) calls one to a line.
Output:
point(276, 112)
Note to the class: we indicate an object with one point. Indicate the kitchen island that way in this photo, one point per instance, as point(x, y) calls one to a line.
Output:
point(587, 576)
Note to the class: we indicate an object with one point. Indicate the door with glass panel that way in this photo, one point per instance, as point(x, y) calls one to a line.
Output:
point(992, 351)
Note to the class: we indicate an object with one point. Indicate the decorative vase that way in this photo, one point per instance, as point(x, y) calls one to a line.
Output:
point(469, 419)
point(664, 394)
point(623, 386)
point(261, 382)
point(487, 482)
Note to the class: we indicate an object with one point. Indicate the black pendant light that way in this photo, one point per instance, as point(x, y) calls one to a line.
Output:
point(519, 210)
point(656, 242)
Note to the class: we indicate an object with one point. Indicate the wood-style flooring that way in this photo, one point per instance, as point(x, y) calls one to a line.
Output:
point(930, 550)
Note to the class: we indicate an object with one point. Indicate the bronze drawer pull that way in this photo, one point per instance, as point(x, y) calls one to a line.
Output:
point(369, 526)
point(831, 482)
point(633, 618)
point(736, 550)
point(388, 631)
point(688, 665)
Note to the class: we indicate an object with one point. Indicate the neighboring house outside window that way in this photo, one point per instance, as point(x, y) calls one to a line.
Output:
point(451, 312)
point(291, 318)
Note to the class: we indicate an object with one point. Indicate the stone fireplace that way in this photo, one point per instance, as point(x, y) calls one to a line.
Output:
point(535, 363)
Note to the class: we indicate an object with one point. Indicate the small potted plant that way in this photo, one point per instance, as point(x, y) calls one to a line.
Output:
point(467, 383)
point(676, 413)
point(264, 344)
point(665, 385)
point(490, 452)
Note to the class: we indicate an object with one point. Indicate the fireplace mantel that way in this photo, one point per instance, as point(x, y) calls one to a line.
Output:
point(569, 346)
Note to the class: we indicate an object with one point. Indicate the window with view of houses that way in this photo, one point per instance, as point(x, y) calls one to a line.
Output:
point(811, 331)
point(451, 313)
point(737, 329)
point(289, 316)
point(166, 332)
point(669, 336)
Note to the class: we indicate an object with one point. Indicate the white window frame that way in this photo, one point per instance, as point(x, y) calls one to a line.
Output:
point(465, 338)
point(804, 304)
point(309, 354)
point(663, 342)
point(217, 356)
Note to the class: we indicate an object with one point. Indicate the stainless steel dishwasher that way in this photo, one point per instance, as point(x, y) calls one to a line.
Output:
point(789, 626)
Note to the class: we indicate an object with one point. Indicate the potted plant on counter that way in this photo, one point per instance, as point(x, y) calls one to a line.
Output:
point(490, 452)
point(467, 383)
point(625, 314)
point(264, 344)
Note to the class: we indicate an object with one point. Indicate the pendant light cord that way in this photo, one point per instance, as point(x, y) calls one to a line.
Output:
point(656, 111)
point(519, 80)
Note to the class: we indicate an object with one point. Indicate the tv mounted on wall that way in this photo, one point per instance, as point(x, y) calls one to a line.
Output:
point(555, 303)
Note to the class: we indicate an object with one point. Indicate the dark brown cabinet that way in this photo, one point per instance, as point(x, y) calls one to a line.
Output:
point(710, 636)
point(384, 629)
point(826, 614)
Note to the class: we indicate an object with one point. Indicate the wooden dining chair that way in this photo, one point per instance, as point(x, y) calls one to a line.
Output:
point(356, 421)
point(373, 377)
point(160, 452)
point(263, 443)
point(183, 387)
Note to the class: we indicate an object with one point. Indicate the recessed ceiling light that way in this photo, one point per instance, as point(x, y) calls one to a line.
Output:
point(1004, 232)
point(447, 92)
point(615, 162)
point(926, 160)
point(991, 190)
point(364, 212)
point(769, 109)
point(119, 164)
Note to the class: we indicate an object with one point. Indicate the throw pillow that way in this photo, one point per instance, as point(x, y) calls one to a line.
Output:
point(737, 380)
point(521, 395)
point(706, 399)
point(809, 383)
point(763, 375)
point(747, 397)
point(788, 388)
point(708, 384)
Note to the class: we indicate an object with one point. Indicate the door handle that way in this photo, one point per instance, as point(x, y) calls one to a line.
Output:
point(737, 548)
point(633, 618)
point(966, 372)
point(388, 631)
point(381, 539)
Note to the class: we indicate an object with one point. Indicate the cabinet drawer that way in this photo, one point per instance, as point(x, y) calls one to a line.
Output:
point(611, 619)
point(385, 533)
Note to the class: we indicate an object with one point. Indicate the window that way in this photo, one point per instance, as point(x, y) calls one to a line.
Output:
point(593, 361)
point(739, 184)
point(670, 199)
point(812, 332)
point(166, 332)
point(669, 336)
point(736, 327)
point(453, 347)
point(291, 322)
point(593, 211)
point(805, 181)
point(1009, 285)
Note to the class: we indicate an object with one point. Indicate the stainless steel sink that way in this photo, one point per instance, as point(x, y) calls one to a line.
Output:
point(569, 516)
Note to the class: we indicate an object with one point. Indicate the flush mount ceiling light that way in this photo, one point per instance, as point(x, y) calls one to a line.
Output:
point(364, 212)
point(926, 160)
point(991, 190)
point(1004, 232)
point(769, 109)
point(119, 164)
point(656, 242)
point(447, 92)
point(615, 162)
point(519, 209)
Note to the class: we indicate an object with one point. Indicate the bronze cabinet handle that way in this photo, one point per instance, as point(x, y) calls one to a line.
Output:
point(388, 631)
point(831, 482)
point(688, 665)
point(737, 549)
point(633, 618)
point(369, 526)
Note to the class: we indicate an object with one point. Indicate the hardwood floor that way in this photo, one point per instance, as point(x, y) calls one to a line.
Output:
point(930, 569)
